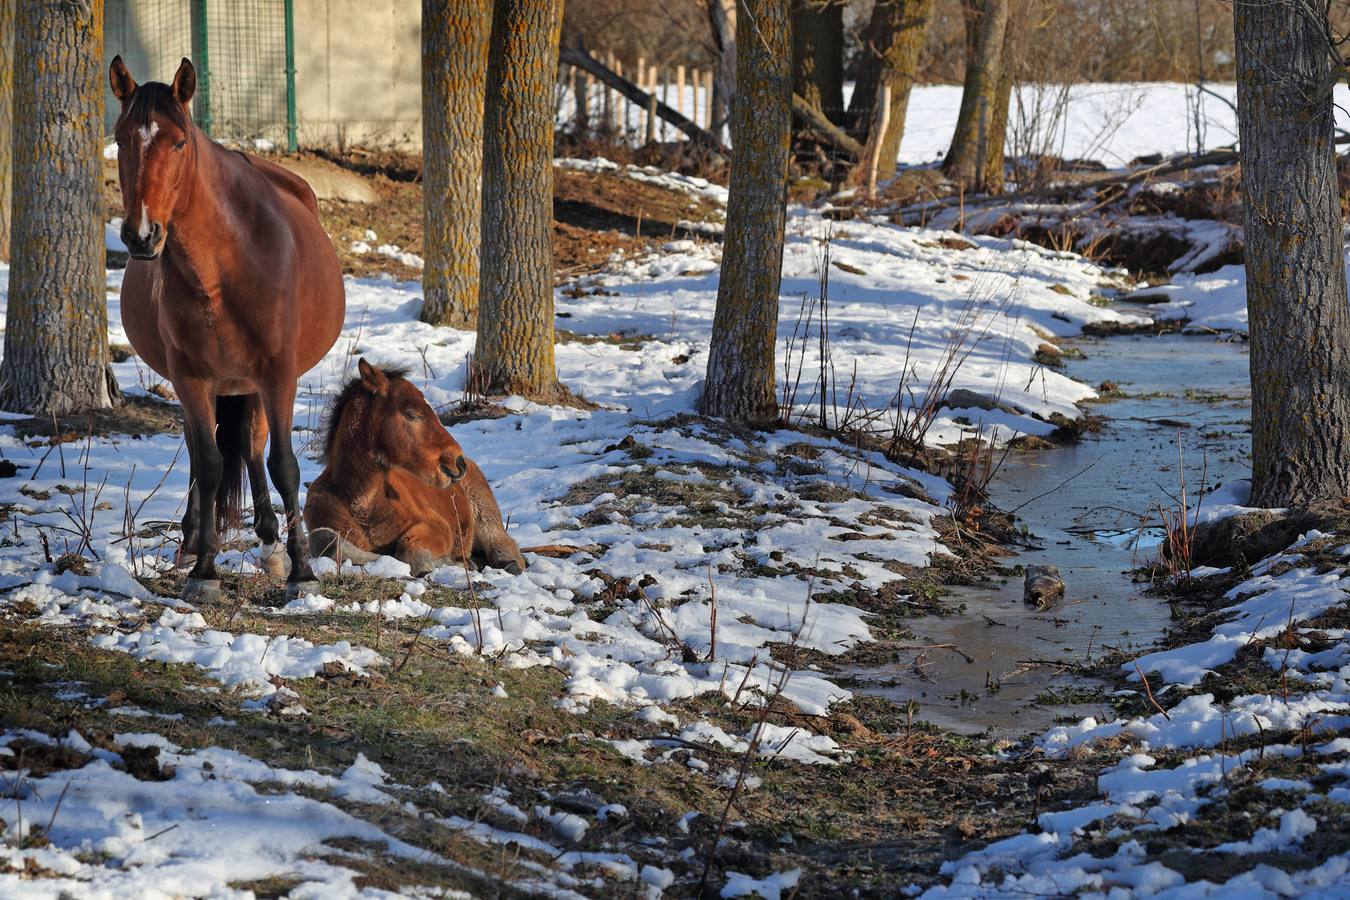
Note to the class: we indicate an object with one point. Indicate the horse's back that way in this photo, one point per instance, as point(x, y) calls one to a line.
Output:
point(285, 180)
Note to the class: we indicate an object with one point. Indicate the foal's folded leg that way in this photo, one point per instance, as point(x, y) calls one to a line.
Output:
point(428, 545)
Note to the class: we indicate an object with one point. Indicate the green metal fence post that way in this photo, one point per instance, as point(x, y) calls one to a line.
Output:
point(203, 64)
point(292, 141)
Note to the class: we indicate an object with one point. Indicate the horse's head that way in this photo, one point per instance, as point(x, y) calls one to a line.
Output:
point(155, 154)
point(403, 430)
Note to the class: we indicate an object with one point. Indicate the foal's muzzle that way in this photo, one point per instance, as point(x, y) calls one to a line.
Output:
point(147, 247)
point(454, 474)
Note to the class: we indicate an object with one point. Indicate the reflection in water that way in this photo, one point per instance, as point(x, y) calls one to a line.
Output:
point(984, 667)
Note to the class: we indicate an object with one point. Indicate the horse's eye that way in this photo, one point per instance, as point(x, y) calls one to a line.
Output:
point(413, 414)
point(181, 144)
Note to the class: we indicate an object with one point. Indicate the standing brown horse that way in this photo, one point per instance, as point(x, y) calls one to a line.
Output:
point(232, 292)
point(397, 483)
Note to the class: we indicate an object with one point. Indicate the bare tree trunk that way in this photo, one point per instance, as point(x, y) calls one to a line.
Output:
point(56, 326)
point(986, 29)
point(740, 380)
point(515, 304)
point(6, 121)
point(1298, 316)
point(454, 79)
point(722, 21)
point(891, 43)
point(818, 55)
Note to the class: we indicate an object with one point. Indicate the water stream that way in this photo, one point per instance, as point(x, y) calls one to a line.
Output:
point(995, 666)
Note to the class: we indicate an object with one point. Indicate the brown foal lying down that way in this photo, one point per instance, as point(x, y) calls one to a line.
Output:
point(396, 483)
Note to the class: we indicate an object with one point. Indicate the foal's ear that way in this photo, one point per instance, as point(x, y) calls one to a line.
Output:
point(184, 82)
point(372, 378)
point(119, 77)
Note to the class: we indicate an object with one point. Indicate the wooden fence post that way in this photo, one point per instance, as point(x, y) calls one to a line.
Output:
point(651, 105)
point(679, 87)
point(883, 120)
point(625, 118)
point(639, 76)
point(580, 121)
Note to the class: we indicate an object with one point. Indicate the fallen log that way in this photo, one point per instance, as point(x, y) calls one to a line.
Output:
point(820, 123)
point(1178, 162)
point(582, 59)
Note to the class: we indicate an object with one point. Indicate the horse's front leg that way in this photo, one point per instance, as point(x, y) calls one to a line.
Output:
point(198, 398)
point(279, 404)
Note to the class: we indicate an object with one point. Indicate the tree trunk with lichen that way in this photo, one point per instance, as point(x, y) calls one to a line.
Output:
point(56, 325)
point(515, 304)
point(976, 139)
point(1298, 317)
point(6, 121)
point(818, 55)
point(891, 43)
point(454, 79)
point(740, 379)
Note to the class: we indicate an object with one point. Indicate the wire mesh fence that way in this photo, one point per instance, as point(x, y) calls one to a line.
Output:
point(239, 48)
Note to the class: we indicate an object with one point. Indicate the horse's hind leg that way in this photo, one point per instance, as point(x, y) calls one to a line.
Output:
point(264, 517)
point(278, 400)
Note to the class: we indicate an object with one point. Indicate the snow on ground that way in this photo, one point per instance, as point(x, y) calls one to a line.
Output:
point(900, 302)
point(1169, 772)
point(700, 508)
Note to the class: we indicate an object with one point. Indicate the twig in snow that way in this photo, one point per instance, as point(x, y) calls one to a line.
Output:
point(1149, 691)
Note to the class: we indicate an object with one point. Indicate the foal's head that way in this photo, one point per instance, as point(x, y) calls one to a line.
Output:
point(381, 416)
point(155, 154)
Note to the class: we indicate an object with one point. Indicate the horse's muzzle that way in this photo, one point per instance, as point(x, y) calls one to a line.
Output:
point(455, 474)
point(147, 247)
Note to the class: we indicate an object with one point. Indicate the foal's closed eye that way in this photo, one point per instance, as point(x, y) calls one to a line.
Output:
point(413, 414)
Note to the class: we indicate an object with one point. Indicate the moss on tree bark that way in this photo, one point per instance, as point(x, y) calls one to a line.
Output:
point(515, 304)
point(740, 378)
point(56, 326)
point(454, 79)
point(1298, 317)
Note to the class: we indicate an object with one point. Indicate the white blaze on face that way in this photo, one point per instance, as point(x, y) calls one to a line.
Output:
point(144, 228)
point(148, 133)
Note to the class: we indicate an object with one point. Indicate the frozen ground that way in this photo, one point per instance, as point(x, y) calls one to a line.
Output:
point(680, 513)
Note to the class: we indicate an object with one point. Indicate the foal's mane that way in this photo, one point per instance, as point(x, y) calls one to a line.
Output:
point(350, 390)
point(155, 97)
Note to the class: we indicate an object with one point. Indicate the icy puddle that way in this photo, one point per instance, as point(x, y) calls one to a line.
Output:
point(999, 664)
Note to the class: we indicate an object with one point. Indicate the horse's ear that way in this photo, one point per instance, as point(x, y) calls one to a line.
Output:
point(184, 82)
point(119, 77)
point(372, 378)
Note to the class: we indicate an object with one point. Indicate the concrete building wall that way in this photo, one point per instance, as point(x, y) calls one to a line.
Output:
point(358, 72)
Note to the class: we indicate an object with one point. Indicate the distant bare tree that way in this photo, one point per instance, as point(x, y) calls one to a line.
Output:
point(1298, 317)
point(722, 23)
point(818, 55)
point(740, 380)
point(975, 158)
point(890, 46)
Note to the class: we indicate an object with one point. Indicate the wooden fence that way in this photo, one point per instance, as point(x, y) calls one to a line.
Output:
point(587, 106)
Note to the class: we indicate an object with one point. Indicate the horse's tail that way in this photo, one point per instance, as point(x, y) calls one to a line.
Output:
point(233, 421)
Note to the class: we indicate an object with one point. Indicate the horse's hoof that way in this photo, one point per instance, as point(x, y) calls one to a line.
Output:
point(274, 560)
point(297, 589)
point(202, 590)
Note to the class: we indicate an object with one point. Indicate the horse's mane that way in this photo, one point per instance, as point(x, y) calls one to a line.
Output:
point(155, 97)
point(350, 390)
